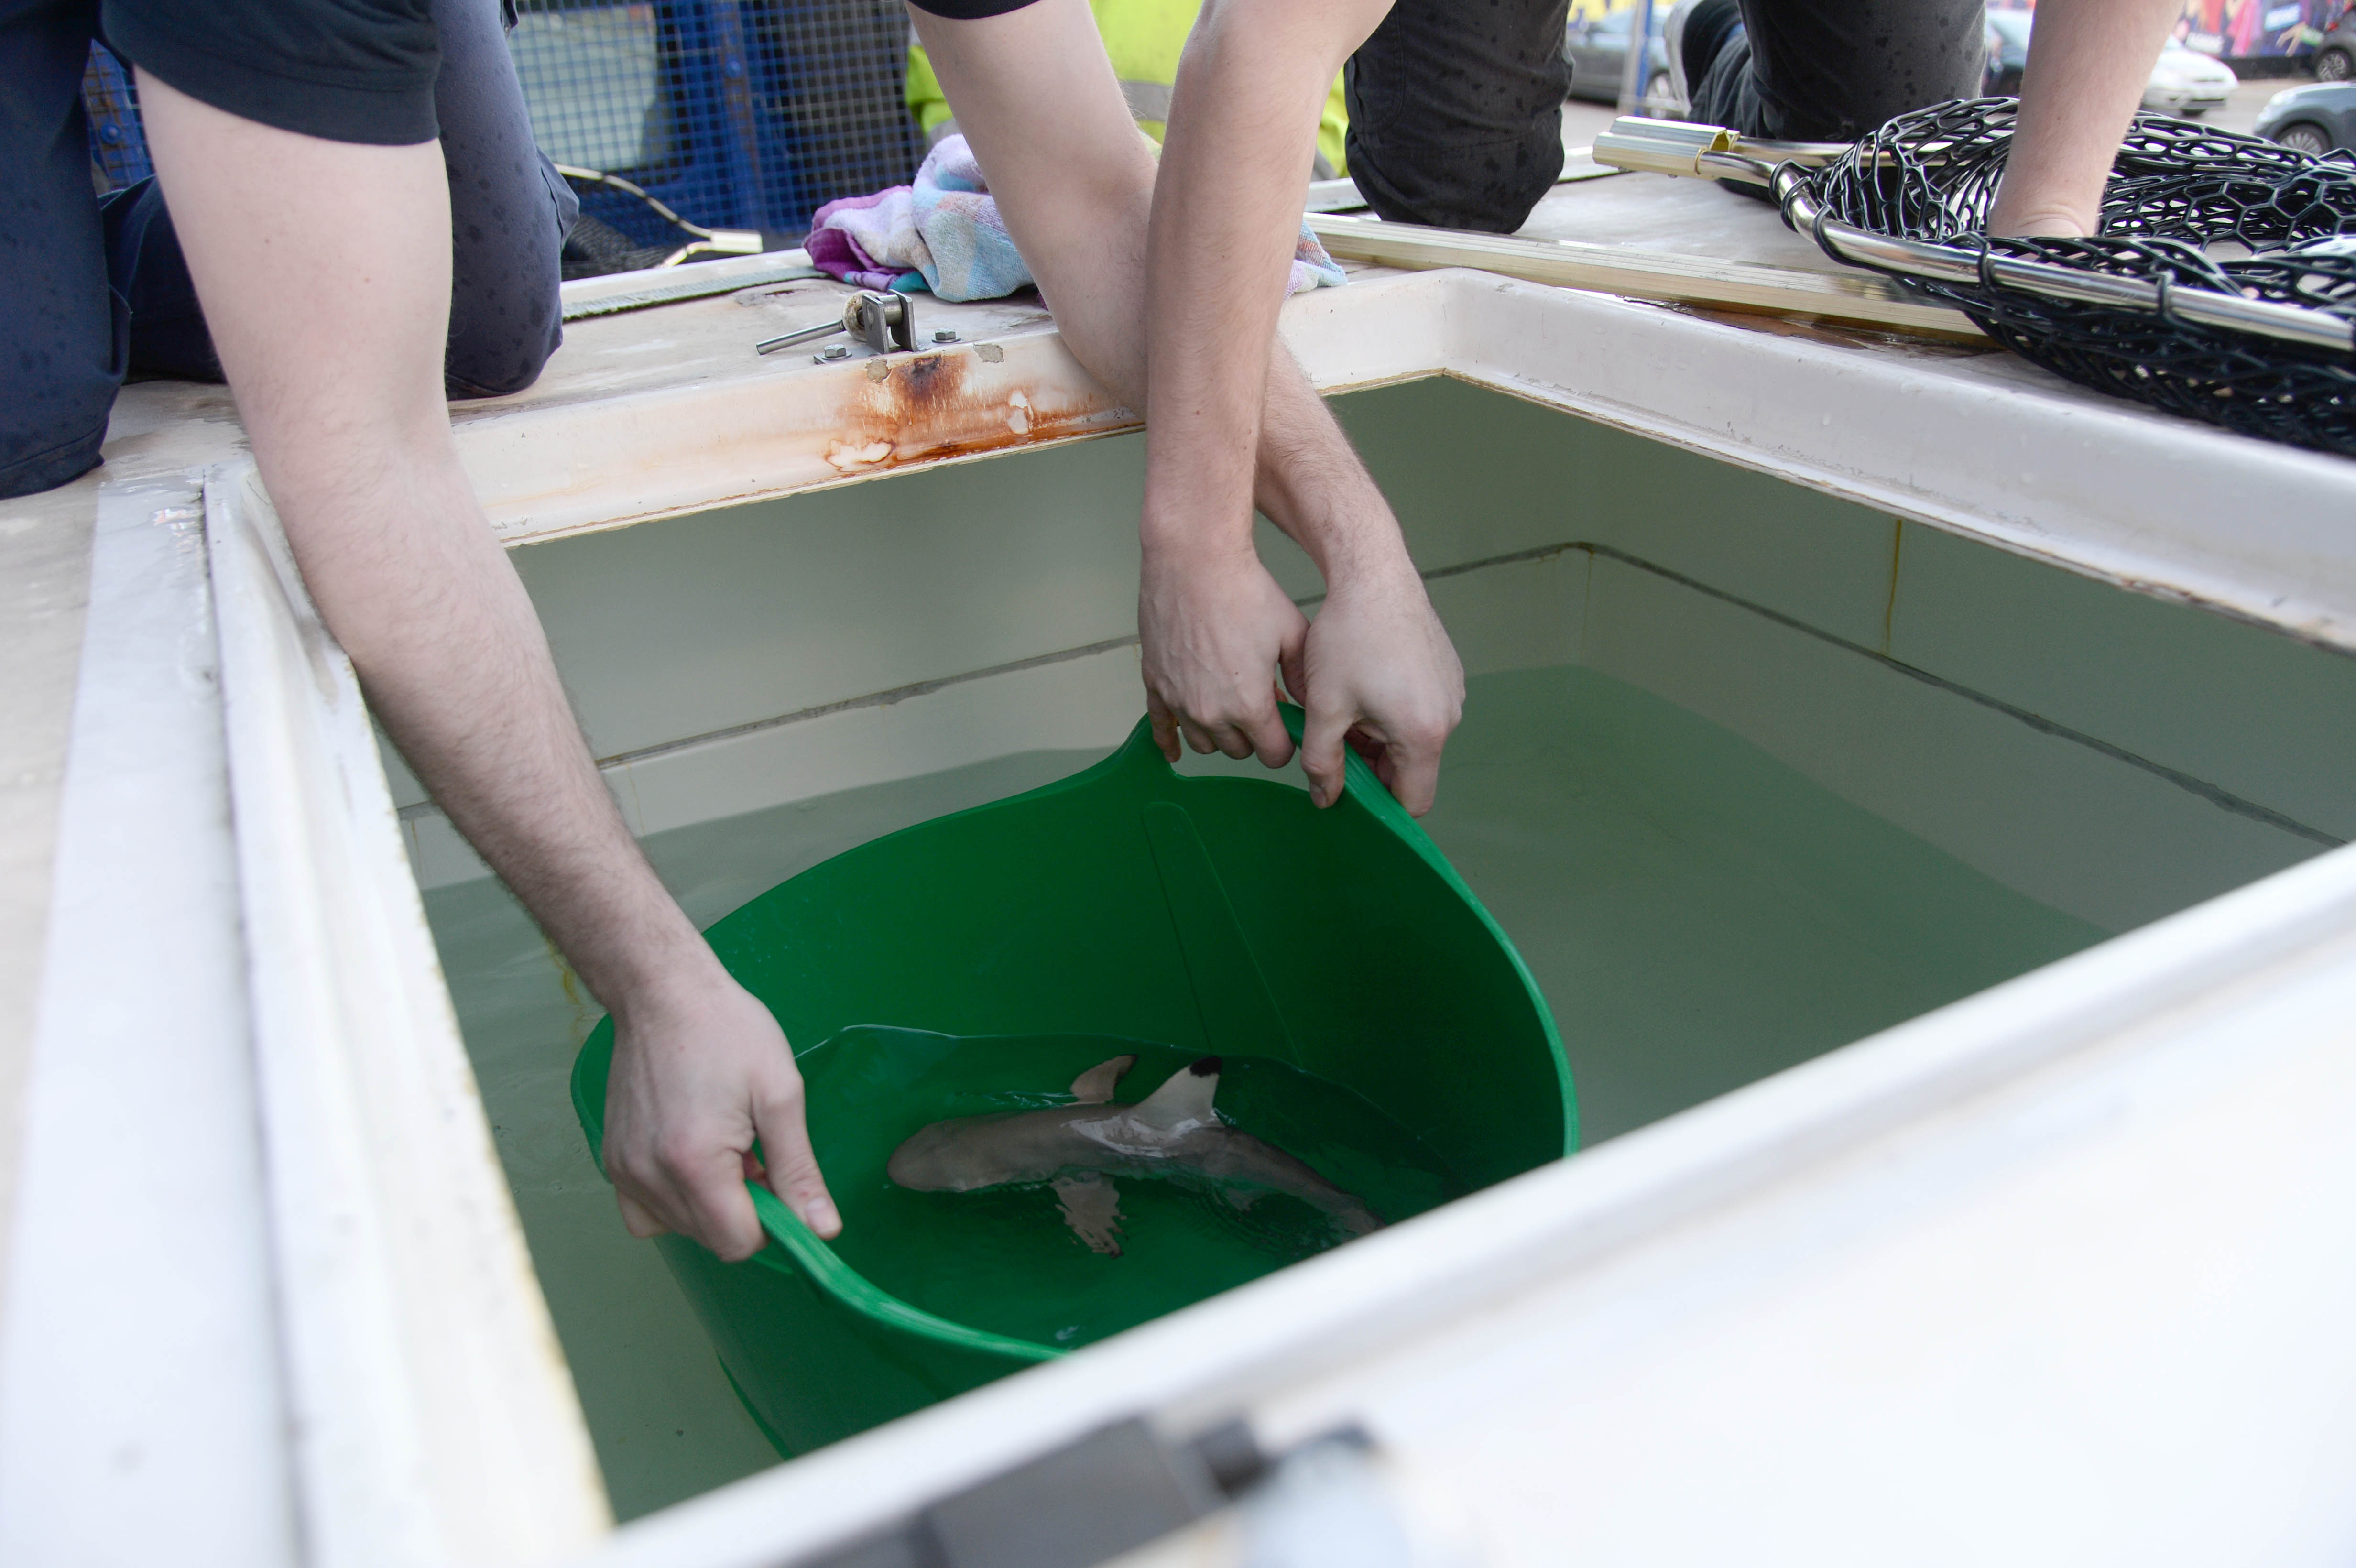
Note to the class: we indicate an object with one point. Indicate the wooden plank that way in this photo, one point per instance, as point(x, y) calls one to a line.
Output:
point(1857, 299)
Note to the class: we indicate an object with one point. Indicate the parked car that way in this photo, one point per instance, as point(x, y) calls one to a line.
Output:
point(2188, 82)
point(2335, 53)
point(2183, 81)
point(2007, 52)
point(1598, 53)
point(2316, 117)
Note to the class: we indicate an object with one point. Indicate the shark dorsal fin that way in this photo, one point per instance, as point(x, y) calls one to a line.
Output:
point(1094, 1087)
point(1184, 1099)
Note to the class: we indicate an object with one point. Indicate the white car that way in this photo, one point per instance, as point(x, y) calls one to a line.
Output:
point(2188, 82)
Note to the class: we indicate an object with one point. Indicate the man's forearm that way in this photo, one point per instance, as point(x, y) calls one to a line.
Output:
point(1075, 182)
point(1231, 419)
point(1225, 211)
point(2088, 63)
point(455, 666)
point(1308, 481)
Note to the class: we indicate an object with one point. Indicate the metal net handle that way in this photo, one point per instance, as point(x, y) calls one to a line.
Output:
point(1786, 169)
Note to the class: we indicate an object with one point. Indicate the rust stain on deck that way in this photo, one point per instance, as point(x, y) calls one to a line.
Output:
point(919, 407)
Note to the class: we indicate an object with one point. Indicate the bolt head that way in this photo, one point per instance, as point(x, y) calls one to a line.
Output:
point(945, 335)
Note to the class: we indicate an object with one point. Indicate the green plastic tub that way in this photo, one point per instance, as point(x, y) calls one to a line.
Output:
point(1373, 1019)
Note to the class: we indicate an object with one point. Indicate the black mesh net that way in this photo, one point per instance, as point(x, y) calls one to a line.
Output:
point(2188, 207)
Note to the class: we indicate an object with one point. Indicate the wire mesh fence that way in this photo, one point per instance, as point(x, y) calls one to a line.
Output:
point(738, 113)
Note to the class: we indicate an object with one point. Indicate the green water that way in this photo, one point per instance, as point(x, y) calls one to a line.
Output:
point(1698, 916)
point(1004, 1259)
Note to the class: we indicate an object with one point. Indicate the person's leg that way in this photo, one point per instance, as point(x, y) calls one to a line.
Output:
point(63, 328)
point(1456, 112)
point(1710, 55)
point(509, 211)
point(510, 214)
point(1831, 70)
point(143, 262)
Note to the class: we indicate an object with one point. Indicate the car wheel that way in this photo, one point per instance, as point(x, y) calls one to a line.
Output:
point(1661, 98)
point(2335, 65)
point(2305, 138)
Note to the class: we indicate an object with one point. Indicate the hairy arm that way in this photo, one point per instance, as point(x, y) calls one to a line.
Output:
point(1233, 171)
point(2088, 62)
point(324, 269)
point(1076, 183)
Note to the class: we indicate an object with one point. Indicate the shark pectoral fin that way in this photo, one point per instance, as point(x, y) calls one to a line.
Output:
point(1091, 1207)
point(1184, 1098)
point(1094, 1087)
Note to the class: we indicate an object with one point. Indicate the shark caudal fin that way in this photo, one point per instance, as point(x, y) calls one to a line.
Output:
point(1094, 1087)
point(1185, 1098)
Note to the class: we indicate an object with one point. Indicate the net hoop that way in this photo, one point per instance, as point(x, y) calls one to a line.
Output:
point(2222, 285)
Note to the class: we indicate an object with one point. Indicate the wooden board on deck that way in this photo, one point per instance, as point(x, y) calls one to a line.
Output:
point(1856, 298)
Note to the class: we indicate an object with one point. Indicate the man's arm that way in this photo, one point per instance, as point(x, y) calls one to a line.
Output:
point(2088, 62)
point(1037, 98)
point(1243, 121)
point(325, 272)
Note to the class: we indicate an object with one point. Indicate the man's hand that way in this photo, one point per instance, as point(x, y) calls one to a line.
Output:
point(1215, 629)
point(699, 1071)
point(1378, 673)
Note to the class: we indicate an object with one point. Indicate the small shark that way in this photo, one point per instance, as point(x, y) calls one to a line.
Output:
point(1172, 1133)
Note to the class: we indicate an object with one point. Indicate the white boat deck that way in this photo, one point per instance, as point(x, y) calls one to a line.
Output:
point(667, 411)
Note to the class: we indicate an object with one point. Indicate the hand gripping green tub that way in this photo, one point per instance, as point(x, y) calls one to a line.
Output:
point(1372, 1020)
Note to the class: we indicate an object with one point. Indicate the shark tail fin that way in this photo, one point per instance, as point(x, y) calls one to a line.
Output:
point(1094, 1087)
point(1185, 1097)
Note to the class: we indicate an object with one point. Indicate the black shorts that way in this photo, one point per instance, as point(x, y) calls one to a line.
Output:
point(1828, 70)
point(347, 71)
point(969, 10)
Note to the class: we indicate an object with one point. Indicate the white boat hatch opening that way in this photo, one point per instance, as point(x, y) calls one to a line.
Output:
point(1921, 789)
point(1749, 771)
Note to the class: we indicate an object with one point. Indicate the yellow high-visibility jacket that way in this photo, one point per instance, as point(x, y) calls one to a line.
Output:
point(1143, 39)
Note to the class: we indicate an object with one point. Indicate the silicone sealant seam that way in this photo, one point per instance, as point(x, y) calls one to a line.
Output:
point(2215, 794)
point(884, 698)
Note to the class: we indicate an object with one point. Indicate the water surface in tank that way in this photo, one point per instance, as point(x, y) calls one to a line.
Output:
point(1698, 914)
point(1747, 771)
